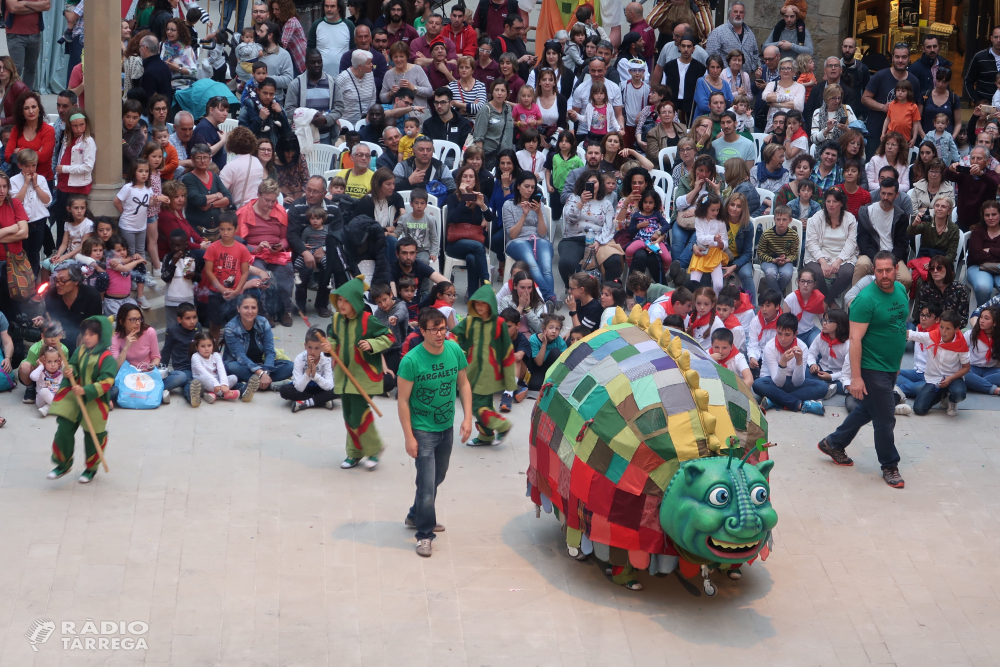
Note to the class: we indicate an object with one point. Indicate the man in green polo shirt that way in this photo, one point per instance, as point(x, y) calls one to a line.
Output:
point(878, 340)
point(427, 380)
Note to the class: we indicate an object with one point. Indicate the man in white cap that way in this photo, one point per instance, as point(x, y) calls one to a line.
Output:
point(355, 88)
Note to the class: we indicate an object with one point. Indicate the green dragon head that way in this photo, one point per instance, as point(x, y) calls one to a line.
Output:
point(718, 511)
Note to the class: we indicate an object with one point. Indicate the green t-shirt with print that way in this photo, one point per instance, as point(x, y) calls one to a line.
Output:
point(35, 350)
point(884, 342)
point(434, 378)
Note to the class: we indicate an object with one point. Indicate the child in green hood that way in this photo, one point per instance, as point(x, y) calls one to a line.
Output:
point(490, 353)
point(358, 339)
point(94, 368)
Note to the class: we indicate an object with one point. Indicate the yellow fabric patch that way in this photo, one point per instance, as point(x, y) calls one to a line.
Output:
point(619, 389)
point(625, 443)
point(683, 436)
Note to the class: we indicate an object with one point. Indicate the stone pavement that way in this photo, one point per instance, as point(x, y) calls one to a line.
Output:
point(231, 531)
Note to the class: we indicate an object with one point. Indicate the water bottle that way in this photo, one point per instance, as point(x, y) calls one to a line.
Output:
point(589, 236)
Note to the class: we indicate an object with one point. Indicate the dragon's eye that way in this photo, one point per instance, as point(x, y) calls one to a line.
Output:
point(719, 496)
point(758, 495)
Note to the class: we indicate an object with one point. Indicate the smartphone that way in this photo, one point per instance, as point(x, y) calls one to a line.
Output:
point(537, 197)
point(963, 170)
point(987, 109)
point(588, 187)
point(468, 196)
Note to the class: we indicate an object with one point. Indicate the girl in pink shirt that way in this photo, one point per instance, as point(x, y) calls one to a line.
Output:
point(527, 114)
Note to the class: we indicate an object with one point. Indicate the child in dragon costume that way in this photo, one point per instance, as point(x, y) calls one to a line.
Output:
point(358, 338)
point(94, 368)
point(491, 368)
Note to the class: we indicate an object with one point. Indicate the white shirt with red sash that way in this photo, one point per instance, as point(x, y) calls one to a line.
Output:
point(793, 370)
point(810, 313)
point(829, 354)
point(943, 359)
point(982, 353)
point(759, 334)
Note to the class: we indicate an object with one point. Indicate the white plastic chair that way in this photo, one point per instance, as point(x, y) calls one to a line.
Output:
point(445, 150)
point(765, 194)
point(670, 153)
point(582, 152)
point(330, 173)
point(719, 169)
point(405, 194)
point(664, 183)
point(361, 123)
point(376, 150)
point(229, 125)
point(961, 256)
point(758, 140)
point(345, 125)
point(52, 118)
point(320, 157)
point(547, 216)
point(912, 155)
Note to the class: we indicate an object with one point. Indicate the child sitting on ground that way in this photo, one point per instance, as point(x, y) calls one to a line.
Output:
point(179, 338)
point(808, 306)
point(76, 230)
point(642, 290)
point(910, 379)
point(209, 371)
point(612, 297)
point(312, 377)
point(829, 350)
point(744, 309)
point(47, 378)
point(582, 301)
point(783, 380)
point(763, 327)
point(393, 313)
point(726, 354)
point(545, 350)
point(680, 302)
point(522, 350)
point(421, 226)
point(576, 334)
point(947, 365)
point(724, 310)
point(52, 336)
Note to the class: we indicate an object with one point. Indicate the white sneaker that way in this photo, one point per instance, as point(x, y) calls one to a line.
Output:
point(44, 410)
point(144, 303)
point(155, 273)
point(952, 409)
point(831, 391)
point(904, 409)
point(166, 397)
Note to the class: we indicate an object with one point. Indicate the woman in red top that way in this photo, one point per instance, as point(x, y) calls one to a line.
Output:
point(31, 131)
point(172, 217)
point(13, 229)
point(11, 88)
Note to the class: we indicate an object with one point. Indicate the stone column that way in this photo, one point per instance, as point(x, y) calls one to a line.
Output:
point(102, 77)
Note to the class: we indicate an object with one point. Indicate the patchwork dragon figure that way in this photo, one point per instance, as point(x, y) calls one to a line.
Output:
point(627, 448)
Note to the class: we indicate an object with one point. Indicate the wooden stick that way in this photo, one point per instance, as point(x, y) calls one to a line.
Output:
point(83, 409)
point(354, 381)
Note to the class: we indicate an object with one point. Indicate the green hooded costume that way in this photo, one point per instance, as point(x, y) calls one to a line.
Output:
point(491, 368)
point(345, 334)
point(95, 371)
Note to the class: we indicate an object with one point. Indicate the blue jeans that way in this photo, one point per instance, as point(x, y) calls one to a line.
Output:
point(983, 380)
point(433, 457)
point(539, 262)
point(789, 396)
point(909, 381)
point(390, 248)
point(679, 238)
point(982, 283)
point(474, 254)
point(840, 385)
point(809, 336)
point(879, 408)
point(227, 13)
point(177, 379)
point(928, 395)
point(282, 370)
point(496, 244)
point(777, 277)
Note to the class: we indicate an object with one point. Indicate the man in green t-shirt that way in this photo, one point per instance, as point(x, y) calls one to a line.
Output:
point(427, 380)
point(878, 340)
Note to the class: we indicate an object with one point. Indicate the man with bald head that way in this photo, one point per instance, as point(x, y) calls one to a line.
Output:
point(183, 133)
point(833, 72)
point(766, 72)
point(636, 23)
point(734, 35)
point(156, 74)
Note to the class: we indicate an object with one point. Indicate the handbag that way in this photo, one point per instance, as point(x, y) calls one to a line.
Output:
point(990, 267)
point(20, 277)
point(462, 231)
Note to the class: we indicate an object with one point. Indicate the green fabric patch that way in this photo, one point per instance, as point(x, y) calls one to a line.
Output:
point(558, 373)
point(566, 453)
point(625, 443)
point(738, 416)
point(574, 424)
point(616, 469)
point(559, 409)
point(663, 446)
point(664, 473)
point(645, 392)
point(727, 376)
point(651, 421)
point(582, 389)
point(624, 353)
point(607, 422)
point(597, 399)
point(716, 395)
point(600, 340)
point(573, 537)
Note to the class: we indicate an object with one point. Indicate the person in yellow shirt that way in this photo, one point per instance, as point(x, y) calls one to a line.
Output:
point(411, 130)
point(359, 177)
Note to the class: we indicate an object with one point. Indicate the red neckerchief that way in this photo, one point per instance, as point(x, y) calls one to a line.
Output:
point(933, 327)
point(702, 320)
point(987, 340)
point(957, 343)
point(831, 342)
point(780, 349)
point(732, 353)
point(745, 304)
point(732, 322)
point(441, 304)
point(800, 133)
point(764, 326)
point(814, 305)
point(510, 286)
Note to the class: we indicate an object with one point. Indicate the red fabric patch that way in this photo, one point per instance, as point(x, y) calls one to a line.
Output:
point(652, 541)
point(582, 478)
point(541, 461)
point(602, 494)
point(536, 497)
point(651, 513)
point(633, 480)
point(689, 570)
point(624, 538)
point(555, 464)
point(572, 507)
point(626, 509)
point(600, 530)
point(639, 559)
point(646, 459)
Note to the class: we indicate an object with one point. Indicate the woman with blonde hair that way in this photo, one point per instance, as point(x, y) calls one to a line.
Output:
point(832, 118)
point(701, 134)
point(737, 176)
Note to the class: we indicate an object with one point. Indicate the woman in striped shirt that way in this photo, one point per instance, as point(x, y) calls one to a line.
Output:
point(468, 94)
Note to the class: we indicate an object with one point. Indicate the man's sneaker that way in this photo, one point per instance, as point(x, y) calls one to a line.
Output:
point(372, 461)
point(209, 397)
point(474, 441)
point(904, 409)
point(29, 396)
point(195, 393)
point(424, 548)
point(520, 393)
point(900, 396)
point(892, 478)
point(166, 397)
point(58, 472)
point(813, 408)
point(298, 406)
point(952, 409)
point(438, 528)
point(838, 455)
point(831, 391)
point(506, 401)
point(88, 476)
point(144, 303)
point(252, 385)
point(766, 404)
point(349, 463)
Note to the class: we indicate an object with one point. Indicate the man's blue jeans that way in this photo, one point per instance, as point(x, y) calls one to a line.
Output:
point(879, 408)
point(282, 370)
point(928, 395)
point(788, 395)
point(909, 381)
point(177, 379)
point(982, 379)
point(241, 13)
point(538, 255)
point(433, 457)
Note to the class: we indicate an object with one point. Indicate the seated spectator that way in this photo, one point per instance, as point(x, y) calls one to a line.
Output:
point(778, 251)
point(263, 226)
point(783, 380)
point(134, 341)
point(384, 205)
point(522, 220)
point(249, 351)
point(891, 152)
point(291, 167)
point(974, 186)
point(70, 303)
point(857, 194)
point(832, 246)
point(358, 178)
point(590, 216)
point(882, 226)
point(942, 289)
point(405, 74)
point(468, 226)
point(984, 252)
point(444, 123)
point(938, 238)
point(931, 187)
point(423, 168)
